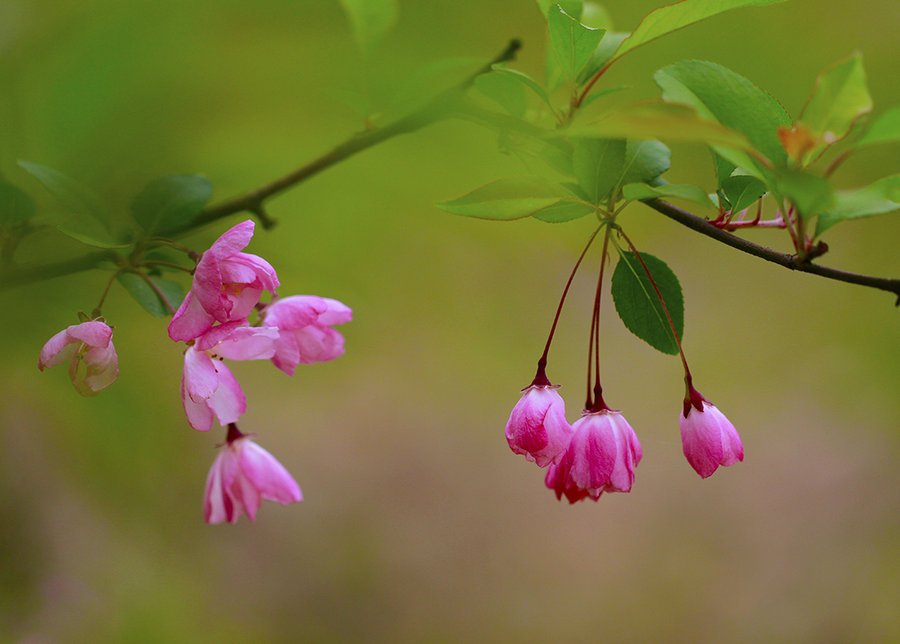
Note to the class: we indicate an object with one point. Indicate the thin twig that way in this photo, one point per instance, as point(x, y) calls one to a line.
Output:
point(701, 225)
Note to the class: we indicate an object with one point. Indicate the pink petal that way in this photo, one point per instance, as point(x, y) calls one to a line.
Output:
point(200, 376)
point(198, 413)
point(92, 333)
point(268, 475)
point(318, 344)
point(217, 507)
point(190, 320)
point(52, 353)
point(701, 440)
point(228, 403)
point(537, 427)
point(248, 343)
point(232, 241)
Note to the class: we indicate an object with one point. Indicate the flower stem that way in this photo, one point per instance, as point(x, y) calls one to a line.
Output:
point(594, 402)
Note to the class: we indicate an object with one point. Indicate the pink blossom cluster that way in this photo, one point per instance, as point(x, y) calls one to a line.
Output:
point(215, 321)
point(599, 452)
point(222, 318)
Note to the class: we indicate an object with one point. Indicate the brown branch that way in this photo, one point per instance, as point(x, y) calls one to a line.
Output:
point(701, 225)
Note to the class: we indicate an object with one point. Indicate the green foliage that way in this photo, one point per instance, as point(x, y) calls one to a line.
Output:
point(572, 42)
point(670, 18)
point(510, 198)
point(563, 211)
point(642, 192)
point(171, 202)
point(741, 191)
point(637, 302)
point(572, 7)
point(645, 161)
point(840, 97)
point(879, 198)
point(371, 20)
point(521, 78)
point(598, 165)
point(16, 206)
point(722, 95)
point(810, 194)
point(76, 198)
point(140, 290)
point(884, 129)
point(507, 90)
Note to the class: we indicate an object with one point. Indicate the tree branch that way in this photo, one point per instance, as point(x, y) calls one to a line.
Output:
point(701, 225)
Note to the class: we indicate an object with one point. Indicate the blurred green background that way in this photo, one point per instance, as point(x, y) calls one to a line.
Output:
point(418, 523)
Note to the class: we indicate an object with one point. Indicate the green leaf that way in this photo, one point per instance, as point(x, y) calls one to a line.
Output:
point(90, 232)
point(16, 206)
point(667, 121)
point(879, 198)
point(76, 198)
point(563, 211)
point(742, 191)
point(370, 20)
point(505, 90)
point(171, 202)
point(638, 305)
point(641, 192)
point(521, 78)
point(644, 161)
point(572, 42)
point(723, 168)
point(884, 129)
point(604, 51)
point(810, 194)
point(598, 165)
point(571, 7)
point(506, 199)
point(138, 288)
point(665, 20)
point(839, 98)
point(722, 95)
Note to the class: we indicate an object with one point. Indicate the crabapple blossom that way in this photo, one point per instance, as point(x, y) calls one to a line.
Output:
point(88, 348)
point(601, 457)
point(707, 437)
point(227, 285)
point(304, 328)
point(242, 475)
point(208, 388)
point(537, 426)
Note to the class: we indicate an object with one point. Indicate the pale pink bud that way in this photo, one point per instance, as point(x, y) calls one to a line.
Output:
point(88, 348)
point(227, 285)
point(537, 426)
point(707, 437)
point(601, 457)
point(305, 335)
point(242, 475)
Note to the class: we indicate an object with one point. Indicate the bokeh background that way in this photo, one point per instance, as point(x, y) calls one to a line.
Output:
point(418, 523)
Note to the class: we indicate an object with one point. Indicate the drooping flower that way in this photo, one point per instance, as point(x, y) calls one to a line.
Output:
point(208, 388)
point(242, 475)
point(537, 426)
point(304, 328)
point(88, 348)
point(601, 457)
point(227, 285)
point(707, 437)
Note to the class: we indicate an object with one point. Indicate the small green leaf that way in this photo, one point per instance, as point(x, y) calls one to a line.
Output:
point(644, 161)
point(76, 198)
point(563, 211)
point(521, 78)
point(371, 20)
point(723, 168)
point(138, 288)
point(505, 90)
point(879, 198)
point(742, 191)
point(641, 192)
point(840, 97)
point(884, 129)
point(90, 232)
point(604, 51)
point(664, 20)
point(810, 194)
point(572, 42)
point(16, 207)
point(719, 94)
point(638, 305)
point(506, 199)
point(598, 165)
point(171, 202)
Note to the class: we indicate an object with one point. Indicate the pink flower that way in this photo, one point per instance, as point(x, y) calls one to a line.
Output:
point(537, 426)
point(601, 457)
point(707, 437)
point(227, 285)
point(242, 475)
point(88, 347)
point(305, 334)
point(208, 388)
